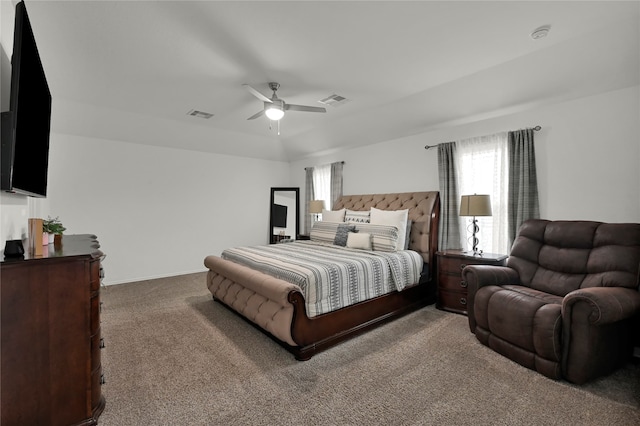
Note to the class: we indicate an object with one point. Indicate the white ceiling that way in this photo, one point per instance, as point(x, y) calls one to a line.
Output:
point(131, 70)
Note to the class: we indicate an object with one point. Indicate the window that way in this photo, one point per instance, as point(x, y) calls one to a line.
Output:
point(501, 165)
point(483, 169)
point(322, 184)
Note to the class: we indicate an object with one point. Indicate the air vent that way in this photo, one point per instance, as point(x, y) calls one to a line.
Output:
point(200, 114)
point(334, 100)
point(540, 32)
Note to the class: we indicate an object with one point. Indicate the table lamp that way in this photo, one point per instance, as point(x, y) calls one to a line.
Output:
point(475, 205)
point(315, 208)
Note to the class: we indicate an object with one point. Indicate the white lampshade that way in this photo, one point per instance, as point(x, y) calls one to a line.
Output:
point(274, 112)
point(475, 205)
point(316, 206)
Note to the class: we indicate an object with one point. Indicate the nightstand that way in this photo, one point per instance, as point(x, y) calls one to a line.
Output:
point(303, 237)
point(452, 290)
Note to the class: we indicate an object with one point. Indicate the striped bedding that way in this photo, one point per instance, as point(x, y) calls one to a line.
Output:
point(332, 277)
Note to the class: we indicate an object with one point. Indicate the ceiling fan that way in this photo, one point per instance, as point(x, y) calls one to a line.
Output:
point(275, 107)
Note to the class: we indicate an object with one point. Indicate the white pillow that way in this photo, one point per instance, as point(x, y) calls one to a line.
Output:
point(359, 240)
point(397, 218)
point(356, 216)
point(333, 215)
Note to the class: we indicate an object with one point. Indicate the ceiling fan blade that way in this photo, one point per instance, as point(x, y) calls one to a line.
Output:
point(257, 94)
point(256, 115)
point(304, 108)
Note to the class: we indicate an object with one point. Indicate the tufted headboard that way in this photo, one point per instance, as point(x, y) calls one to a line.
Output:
point(424, 213)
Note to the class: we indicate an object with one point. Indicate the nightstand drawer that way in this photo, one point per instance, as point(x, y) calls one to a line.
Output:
point(453, 282)
point(452, 265)
point(452, 301)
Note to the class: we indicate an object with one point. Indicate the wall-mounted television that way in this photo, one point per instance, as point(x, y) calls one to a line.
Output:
point(279, 216)
point(24, 156)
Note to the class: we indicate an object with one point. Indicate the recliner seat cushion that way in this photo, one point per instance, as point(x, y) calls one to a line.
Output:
point(527, 318)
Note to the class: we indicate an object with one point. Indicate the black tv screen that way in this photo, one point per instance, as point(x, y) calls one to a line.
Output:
point(26, 127)
point(279, 216)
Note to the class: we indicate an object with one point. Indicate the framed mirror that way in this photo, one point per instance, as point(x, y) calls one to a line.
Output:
point(284, 214)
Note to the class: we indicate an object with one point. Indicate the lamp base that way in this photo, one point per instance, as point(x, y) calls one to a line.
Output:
point(474, 240)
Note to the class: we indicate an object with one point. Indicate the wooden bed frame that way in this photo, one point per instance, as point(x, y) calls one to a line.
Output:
point(278, 307)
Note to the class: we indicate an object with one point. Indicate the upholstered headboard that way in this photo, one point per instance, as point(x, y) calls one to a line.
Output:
point(424, 213)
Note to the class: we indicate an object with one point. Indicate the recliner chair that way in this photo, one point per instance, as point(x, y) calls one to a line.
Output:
point(567, 304)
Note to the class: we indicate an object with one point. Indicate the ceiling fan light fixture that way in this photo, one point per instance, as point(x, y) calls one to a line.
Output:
point(274, 112)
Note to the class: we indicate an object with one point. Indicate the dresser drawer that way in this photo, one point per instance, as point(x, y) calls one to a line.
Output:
point(95, 314)
point(96, 381)
point(96, 347)
point(94, 275)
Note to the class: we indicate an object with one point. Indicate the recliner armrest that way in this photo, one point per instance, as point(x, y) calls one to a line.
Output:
point(483, 275)
point(476, 276)
point(598, 328)
point(607, 304)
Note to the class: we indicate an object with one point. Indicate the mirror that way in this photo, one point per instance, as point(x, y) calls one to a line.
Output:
point(284, 212)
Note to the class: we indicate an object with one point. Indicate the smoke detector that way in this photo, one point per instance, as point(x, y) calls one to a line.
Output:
point(540, 32)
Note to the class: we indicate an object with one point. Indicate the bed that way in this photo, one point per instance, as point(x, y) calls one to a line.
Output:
point(278, 306)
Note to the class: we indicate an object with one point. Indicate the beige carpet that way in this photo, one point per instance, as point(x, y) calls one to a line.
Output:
point(175, 357)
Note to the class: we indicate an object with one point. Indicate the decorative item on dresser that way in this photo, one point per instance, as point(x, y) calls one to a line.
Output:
point(452, 289)
point(51, 372)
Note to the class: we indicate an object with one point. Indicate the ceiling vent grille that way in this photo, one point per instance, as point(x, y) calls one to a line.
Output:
point(200, 114)
point(334, 100)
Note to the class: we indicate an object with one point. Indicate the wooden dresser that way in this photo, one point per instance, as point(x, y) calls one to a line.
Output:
point(452, 290)
point(50, 335)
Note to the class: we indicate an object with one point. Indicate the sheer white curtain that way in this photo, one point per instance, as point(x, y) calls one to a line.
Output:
point(322, 184)
point(484, 169)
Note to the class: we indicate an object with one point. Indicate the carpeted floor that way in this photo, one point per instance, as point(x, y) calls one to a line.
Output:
point(175, 357)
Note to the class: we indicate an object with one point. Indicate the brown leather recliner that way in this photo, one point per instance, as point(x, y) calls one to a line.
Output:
point(567, 303)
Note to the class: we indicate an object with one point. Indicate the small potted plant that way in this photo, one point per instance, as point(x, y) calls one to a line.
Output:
point(54, 229)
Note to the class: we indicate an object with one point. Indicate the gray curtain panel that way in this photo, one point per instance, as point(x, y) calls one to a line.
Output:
point(308, 196)
point(523, 182)
point(449, 228)
point(336, 182)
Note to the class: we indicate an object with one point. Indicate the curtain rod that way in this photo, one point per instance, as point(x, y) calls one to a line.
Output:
point(341, 162)
point(537, 128)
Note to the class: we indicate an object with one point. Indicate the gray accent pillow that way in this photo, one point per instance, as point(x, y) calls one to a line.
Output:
point(343, 233)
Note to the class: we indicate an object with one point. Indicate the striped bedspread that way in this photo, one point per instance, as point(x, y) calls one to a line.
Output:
point(332, 277)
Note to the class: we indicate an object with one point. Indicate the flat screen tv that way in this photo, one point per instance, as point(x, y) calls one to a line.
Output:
point(279, 216)
point(24, 157)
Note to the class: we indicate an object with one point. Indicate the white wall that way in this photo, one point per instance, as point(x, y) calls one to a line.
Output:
point(587, 156)
point(158, 211)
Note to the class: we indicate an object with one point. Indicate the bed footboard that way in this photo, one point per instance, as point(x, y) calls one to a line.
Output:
point(262, 299)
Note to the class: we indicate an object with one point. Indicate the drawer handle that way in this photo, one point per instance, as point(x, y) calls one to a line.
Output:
point(102, 380)
point(463, 284)
point(462, 266)
point(463, 301)
point(102, 343)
